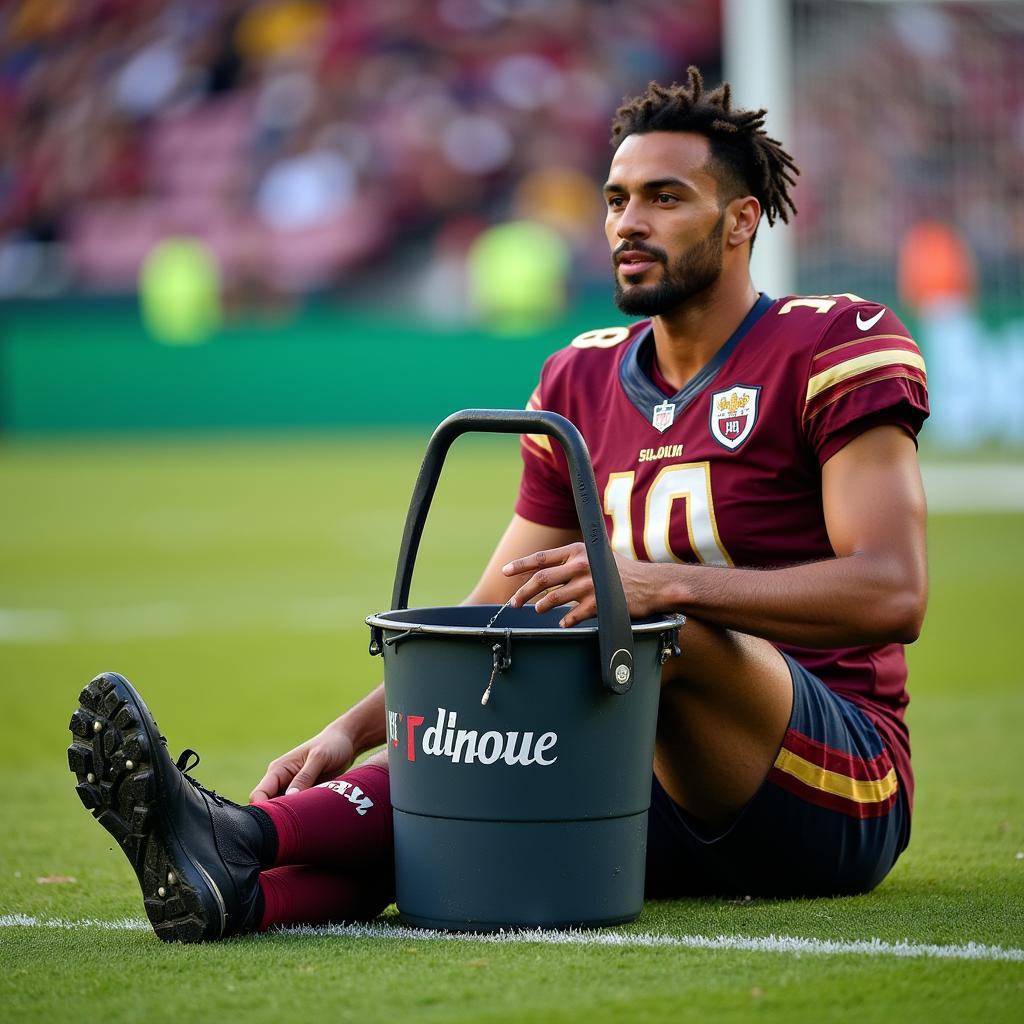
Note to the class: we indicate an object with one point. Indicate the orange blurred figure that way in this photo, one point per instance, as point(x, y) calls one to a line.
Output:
point(935, 263)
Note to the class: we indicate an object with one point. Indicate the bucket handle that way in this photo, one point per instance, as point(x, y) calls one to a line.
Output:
point(615, 634)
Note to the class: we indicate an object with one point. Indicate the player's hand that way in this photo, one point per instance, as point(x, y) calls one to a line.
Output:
point(564, 573)
point(323, 757)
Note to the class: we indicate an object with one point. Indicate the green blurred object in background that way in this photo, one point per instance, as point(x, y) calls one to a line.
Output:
point(179, 291)
point(517, 273)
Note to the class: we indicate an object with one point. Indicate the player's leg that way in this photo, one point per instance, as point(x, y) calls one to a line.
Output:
point(725, 706)
point(199, 857)
point(309, 894)
point(334, 856)
point(345, 823)
point(829, 819)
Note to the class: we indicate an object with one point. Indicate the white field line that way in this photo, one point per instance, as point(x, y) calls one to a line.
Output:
point(786, 944)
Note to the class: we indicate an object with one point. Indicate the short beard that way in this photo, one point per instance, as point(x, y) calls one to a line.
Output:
point(696, 270)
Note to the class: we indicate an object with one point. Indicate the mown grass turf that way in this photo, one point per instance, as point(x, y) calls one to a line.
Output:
point(229, 581)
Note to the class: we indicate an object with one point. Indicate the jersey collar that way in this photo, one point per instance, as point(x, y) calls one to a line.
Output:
point(641, 390)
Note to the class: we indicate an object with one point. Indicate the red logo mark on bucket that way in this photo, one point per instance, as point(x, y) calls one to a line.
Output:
point(412, 723)
point(444, 738)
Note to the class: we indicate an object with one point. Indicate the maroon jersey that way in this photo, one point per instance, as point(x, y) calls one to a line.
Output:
point(727, 471)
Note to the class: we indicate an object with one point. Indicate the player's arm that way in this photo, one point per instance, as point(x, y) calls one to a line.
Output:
point(873, 591)
point(362, 726)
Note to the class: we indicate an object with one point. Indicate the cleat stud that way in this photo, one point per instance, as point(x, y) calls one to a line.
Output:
point(161, 891)
point(129, 765)
point(88, 796)
point(172, 879)
point(97, 726)
point(90, 777)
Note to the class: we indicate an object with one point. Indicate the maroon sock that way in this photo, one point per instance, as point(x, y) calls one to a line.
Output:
point(345, 823)
point(305, 894)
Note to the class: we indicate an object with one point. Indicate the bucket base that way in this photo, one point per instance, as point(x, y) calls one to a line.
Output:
point(484, 876)
point(486, 927)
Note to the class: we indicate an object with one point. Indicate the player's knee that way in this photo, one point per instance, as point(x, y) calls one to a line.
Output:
point(703, 648)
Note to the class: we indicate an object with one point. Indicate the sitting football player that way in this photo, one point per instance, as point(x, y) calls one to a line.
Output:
point(756, 458)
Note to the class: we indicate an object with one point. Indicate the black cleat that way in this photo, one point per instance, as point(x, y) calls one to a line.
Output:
point(197, 855)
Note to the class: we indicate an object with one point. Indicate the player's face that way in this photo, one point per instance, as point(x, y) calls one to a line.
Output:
point(664, 224)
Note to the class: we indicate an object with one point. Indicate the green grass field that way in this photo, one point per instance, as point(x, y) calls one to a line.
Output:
point(229, 581)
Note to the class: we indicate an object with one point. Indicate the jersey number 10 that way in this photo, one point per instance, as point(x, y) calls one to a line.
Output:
point(688, 482)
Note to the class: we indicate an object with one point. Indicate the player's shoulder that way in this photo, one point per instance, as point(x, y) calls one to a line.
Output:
point(603, 338)
point(596, 348)
point(814, 321)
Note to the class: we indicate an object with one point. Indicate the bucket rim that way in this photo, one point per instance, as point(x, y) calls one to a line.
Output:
point(673, 621)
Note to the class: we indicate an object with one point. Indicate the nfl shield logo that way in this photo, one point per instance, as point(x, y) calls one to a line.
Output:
point(664, 414)
point(733, 414)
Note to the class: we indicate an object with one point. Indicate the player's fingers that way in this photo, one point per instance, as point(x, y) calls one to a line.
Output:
point(543, 579)
point(309, 774)
point(574, 590)
point(586, 609)
point(572, 576)
point(573, 566)
point(272, 784)
point(538, 560)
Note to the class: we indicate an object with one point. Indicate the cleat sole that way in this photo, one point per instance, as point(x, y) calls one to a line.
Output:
point(123, 800)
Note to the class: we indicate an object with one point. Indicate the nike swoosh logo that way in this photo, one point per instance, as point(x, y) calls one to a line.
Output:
point(866, 325)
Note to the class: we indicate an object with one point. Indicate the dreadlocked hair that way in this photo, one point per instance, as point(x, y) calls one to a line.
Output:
point(748, 160)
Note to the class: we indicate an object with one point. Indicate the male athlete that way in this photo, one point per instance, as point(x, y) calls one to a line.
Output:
point(757, 462)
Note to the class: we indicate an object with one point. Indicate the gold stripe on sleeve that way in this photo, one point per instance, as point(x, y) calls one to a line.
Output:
point(860, 341)
point(541, 441)
point(861, 364)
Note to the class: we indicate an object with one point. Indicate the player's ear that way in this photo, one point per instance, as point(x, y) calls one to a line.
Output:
point(742, 216)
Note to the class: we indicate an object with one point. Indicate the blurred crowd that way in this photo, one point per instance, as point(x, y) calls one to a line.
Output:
point(365, 148)
point(908, 114)
point(313, 145)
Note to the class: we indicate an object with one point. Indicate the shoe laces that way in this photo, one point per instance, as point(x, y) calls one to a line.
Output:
point(189, 759)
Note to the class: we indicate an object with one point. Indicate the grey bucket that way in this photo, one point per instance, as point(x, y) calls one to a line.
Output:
point(529, 809)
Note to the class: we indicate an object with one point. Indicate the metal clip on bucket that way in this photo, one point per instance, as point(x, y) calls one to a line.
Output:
point(527, 808)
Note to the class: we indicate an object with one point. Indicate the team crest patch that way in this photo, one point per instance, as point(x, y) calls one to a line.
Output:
point(733, 415)
point(663, 416)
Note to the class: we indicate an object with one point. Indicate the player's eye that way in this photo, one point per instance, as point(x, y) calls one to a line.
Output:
point(616, 202)
point(664, 198)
